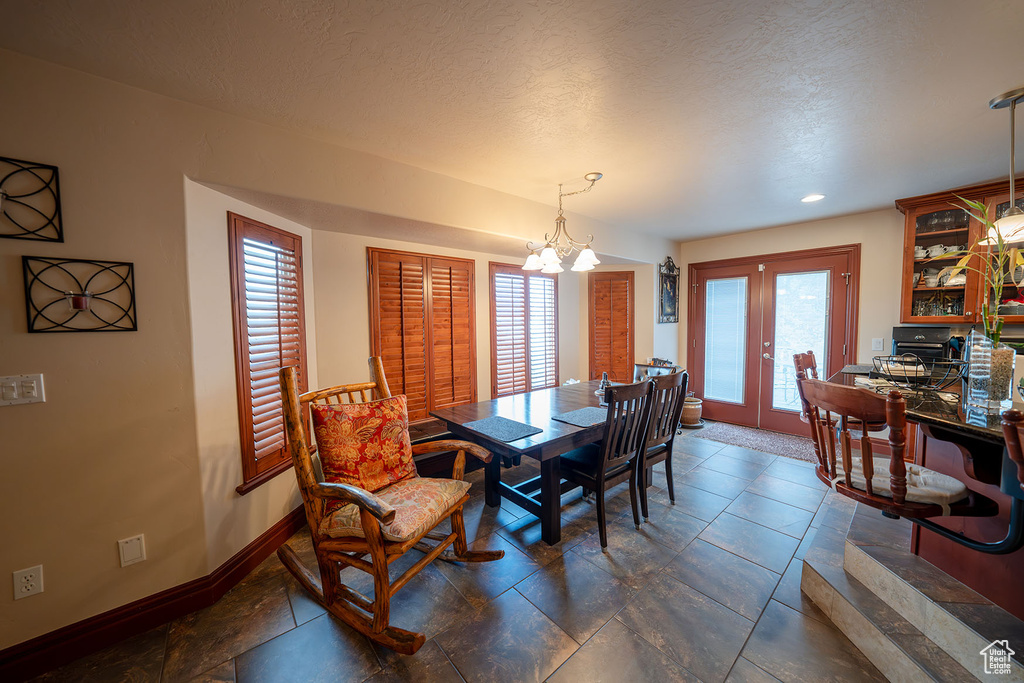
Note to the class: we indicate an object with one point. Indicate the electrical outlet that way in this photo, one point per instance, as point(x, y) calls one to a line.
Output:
point(132, 549)
point(28, 582)
point(876, 344)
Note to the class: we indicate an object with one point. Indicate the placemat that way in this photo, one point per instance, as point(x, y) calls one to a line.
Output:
point(584, 417)
point(502, 429)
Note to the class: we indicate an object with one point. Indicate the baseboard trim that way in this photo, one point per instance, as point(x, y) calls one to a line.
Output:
point(66, 644)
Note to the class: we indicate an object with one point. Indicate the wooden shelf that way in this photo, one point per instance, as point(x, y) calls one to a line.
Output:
point(939, 233)
point(939, 289)
point(950, 257)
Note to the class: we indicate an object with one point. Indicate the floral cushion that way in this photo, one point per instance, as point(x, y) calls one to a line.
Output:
point(364, 444)
point(419, 503)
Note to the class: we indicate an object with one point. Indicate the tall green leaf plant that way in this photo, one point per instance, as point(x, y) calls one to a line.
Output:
point(1003, 259)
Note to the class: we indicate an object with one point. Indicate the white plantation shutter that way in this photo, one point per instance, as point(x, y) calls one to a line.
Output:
point(266, 271)
point(524, 330)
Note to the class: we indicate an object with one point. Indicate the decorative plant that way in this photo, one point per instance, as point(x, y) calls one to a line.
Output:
point(1003, 259)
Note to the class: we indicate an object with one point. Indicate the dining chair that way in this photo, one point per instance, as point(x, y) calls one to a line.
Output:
point(643, 371)
point(598, 466)
point(363, 497)
point(896, 487)
point(666, 407)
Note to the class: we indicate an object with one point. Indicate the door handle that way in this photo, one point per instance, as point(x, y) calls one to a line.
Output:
point(767, 357)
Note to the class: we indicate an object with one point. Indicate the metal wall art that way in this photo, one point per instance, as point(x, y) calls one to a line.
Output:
point(29, 201)
point(669, 312)
point(74, 295)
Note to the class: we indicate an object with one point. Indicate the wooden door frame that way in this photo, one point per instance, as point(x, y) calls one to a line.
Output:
point(852, 251)
point(631, 316)
point(739, 413)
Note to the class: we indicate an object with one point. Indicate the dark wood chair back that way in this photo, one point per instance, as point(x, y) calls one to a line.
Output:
point(625, 432)
point(643, 371)
point(666, 406)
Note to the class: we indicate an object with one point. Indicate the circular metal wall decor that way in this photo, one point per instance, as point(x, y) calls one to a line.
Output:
point(29, 201)
point(75, 295)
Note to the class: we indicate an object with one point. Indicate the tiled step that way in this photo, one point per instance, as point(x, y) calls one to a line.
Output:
point(955, 618)
point(895, 646)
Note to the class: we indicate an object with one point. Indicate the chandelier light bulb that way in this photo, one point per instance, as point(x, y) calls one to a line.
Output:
point(1010, 226)
point(549, 257)
point(533, 261)
point(552, 268)
point(588, 256)
point(581, 267)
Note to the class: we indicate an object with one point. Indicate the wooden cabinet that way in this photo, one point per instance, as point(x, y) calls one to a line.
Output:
point(935, 224)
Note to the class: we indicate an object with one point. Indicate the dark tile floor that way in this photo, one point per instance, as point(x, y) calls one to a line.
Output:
point(708, 589)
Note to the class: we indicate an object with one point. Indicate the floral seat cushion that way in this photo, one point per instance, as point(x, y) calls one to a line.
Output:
point(419, 503)
point(364, 444)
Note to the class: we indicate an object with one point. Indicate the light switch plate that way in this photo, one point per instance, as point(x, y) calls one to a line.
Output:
point(876, 344)
point(19, 389)
point(132, 549)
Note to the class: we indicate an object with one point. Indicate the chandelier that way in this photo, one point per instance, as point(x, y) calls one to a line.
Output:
point(559, 245)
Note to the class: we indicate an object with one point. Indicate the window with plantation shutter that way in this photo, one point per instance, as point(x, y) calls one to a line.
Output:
point(611, 325)
point(422, 326)
point(524, 330)
point(266, 293)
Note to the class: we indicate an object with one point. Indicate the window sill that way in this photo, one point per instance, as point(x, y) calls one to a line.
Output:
point(263, 477)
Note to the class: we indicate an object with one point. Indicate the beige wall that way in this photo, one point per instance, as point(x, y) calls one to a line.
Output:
point(119, 447)
point(230, 520)
point(880, 234)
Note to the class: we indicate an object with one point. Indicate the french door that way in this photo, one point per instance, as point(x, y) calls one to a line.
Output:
point(749, 316)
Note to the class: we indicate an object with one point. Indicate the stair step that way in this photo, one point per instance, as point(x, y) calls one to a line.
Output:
point(959, 620)
point(894, 645)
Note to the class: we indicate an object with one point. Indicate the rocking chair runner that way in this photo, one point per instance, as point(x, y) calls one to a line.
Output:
point(379, 525)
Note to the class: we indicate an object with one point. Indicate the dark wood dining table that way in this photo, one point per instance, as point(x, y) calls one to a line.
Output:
point(541, 496)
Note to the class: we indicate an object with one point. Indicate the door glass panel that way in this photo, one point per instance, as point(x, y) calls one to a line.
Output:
point(725, 342)
point(801, 325)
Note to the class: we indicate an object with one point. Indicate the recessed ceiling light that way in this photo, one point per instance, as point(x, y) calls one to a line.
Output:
point(812, 198)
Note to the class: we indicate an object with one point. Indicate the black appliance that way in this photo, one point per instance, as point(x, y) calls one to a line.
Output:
point(927, 343)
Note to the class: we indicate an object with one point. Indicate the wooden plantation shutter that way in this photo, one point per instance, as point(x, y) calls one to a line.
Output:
point(524, 330)
point(398, 321)
point(422, 325)
point(266, 294)
point(452, 325)
point(611, 325)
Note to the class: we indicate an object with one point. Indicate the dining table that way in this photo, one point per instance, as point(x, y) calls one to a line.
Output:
point(541, 495)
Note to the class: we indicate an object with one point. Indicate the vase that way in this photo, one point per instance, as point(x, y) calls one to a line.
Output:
point(989, 373)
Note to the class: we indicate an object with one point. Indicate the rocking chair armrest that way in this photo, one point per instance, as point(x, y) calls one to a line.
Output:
point(452, 445)
point(362, 498)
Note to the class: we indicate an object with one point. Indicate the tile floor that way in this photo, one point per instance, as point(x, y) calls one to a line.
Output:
point(708, 590)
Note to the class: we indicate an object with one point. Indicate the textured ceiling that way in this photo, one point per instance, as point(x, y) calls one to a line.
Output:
point(706, 116)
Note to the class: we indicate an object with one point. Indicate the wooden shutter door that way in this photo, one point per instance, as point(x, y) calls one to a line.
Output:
point(398, 315)
point(611, 325)
point(509, 353)
point(452, 328)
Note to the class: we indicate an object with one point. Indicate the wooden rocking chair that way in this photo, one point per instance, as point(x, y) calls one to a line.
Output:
point(378, 532)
